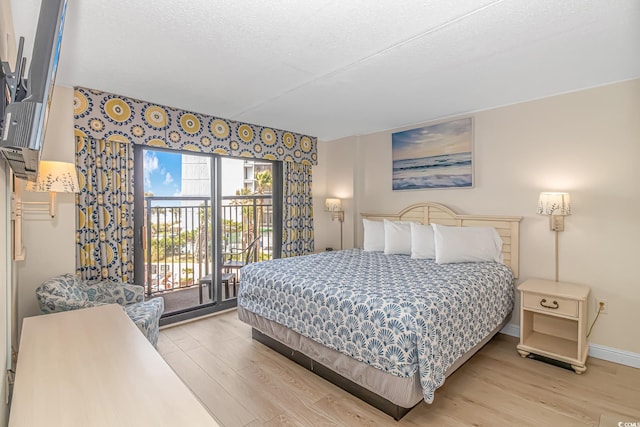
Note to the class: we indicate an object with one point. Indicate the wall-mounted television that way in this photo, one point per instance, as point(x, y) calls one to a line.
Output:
point(25, 116)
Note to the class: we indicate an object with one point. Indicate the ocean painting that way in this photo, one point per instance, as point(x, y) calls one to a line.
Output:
point(435, 156)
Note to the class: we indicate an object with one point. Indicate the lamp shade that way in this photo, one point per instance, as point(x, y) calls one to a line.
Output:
point(554, 203)
point(59, 177)
point(333, 205)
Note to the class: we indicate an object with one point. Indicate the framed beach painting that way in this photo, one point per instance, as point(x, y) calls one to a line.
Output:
point(434, 156)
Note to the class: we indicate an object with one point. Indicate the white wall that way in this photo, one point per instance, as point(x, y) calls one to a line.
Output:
point(586, 143)
point(7, 310)
point(5, 287)
point(49, 243)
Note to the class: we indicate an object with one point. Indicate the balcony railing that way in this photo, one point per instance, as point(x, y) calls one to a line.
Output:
point(179, 245)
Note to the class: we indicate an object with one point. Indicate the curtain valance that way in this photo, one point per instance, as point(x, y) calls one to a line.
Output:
point(101, 115)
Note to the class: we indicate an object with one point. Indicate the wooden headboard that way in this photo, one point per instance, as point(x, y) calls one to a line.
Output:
point(427, 213)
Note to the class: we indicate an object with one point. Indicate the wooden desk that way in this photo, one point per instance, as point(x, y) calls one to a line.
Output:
point(93, 367)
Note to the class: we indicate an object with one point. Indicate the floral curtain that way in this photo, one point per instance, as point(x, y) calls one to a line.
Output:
point(297, 212)
point(104, 238)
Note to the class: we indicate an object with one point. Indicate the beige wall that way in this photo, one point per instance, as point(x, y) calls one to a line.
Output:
point(587, 143)
point(49, 243)
point(342, 157)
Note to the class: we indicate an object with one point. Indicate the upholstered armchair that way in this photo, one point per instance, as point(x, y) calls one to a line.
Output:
point(68, 292)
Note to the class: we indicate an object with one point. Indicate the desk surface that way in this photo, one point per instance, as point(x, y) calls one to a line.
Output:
point(93, 367)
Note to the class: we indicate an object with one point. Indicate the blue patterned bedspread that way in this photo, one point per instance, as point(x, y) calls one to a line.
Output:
point(398, 314)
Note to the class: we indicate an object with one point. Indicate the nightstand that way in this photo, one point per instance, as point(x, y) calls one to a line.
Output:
point(553, 321)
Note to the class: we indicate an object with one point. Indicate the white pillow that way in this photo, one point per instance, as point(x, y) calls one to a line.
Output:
point(422, 242)
point(397, 237)
point(466, 244)
point(373, 235)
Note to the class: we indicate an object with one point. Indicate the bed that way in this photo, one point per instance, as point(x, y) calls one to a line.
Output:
point(385, 327)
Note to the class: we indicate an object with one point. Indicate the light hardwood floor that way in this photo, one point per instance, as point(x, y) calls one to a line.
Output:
point(243, 383)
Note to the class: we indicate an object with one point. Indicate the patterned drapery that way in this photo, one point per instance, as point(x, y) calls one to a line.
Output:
point(103, 115)
point(104, 237)
point(297, 212)
point(106, 127)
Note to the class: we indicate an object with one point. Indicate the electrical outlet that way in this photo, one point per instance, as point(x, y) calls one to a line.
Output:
point(602, 303)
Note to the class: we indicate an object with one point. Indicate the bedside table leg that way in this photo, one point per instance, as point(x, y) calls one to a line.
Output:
point(579, 369)
point(523, 353)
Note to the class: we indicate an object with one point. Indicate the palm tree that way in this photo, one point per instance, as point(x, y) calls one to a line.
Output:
point(264, 181)
point(204, 227)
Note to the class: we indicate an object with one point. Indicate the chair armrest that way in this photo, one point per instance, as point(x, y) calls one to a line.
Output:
point(109, 292)
point(50, 303)
point(137, 291)
point(231, 253)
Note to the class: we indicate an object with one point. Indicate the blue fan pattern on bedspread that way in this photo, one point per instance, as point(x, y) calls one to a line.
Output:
point(390, 311)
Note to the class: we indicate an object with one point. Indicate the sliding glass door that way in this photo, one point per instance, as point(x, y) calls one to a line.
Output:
point(198, 220)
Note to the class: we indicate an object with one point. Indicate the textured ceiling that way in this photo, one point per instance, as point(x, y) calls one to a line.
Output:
point(336, 68)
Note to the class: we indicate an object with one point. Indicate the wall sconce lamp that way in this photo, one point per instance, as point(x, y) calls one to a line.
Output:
point(335, 207)
point(54, 177)
point(557, 206)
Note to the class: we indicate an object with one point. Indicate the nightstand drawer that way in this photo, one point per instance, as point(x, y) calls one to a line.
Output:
point(551, 304)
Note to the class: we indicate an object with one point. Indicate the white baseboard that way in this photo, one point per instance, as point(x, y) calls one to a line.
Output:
point(598, 351)
point(511, 329)
point(611, 354)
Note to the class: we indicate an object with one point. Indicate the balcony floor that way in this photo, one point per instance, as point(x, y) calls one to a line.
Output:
point(181, 299)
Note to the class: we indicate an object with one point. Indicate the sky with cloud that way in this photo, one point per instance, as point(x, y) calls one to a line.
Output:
point(162, 173)
point(444, 138)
